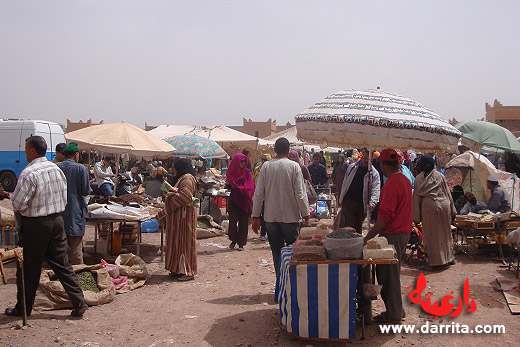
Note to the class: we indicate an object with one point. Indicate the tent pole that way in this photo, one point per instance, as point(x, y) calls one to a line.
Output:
point(369, 183)
point(117, 171)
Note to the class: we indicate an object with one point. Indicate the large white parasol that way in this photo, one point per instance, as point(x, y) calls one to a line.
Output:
point(120, 138)
point(375, 119)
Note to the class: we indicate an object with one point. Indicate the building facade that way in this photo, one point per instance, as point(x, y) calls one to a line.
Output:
point(260, 129)
point(72, 126)
point(506, 116)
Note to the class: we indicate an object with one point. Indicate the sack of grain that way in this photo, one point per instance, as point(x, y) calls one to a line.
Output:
point(344, 244)
point(308, 253)
point(377, 243)
point(7, 217)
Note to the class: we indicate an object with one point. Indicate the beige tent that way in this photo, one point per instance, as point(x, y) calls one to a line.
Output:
point(120, 138)
point(475, 170)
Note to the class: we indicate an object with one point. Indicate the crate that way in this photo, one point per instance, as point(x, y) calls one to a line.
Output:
point(484, 225)
point(512, 224)
point(128, 234)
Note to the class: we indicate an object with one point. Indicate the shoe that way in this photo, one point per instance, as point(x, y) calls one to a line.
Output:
point(186, 278)
point(79, 311)
point(382, 318)
point(174, 274)
point(232, 245)
point(240, 248)
point(13, 312)
point(453, 262)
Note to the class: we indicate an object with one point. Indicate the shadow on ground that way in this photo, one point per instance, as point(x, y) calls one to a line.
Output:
point(263, 328)
point(245, 300)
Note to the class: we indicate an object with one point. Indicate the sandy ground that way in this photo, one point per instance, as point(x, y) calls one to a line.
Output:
point(230, 303)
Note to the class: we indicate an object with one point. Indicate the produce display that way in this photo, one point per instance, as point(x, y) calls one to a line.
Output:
point(308, 253)
point(377, 243)
point(387, 252)
point(87, 281)
point(344, 233)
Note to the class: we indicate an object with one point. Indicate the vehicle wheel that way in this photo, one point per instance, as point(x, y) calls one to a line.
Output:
point(8, 180)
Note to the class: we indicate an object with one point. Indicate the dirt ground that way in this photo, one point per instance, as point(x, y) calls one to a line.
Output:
point(230, 303)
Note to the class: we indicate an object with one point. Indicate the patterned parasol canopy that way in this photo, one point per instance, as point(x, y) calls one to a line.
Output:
point(191, 145)
point(375, 119)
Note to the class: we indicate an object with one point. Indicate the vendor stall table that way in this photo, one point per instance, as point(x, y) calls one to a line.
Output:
point(318, 299)
point(220, 199)
point(470, 232)
point(98, 221)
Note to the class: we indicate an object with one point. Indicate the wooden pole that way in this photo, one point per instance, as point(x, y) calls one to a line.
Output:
point(118, 157)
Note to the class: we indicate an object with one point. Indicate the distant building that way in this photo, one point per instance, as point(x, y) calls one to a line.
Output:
point(506, 116)
point(72, 126)
point(260, 129)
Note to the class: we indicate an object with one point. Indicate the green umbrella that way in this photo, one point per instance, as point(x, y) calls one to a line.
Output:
point(489, 134)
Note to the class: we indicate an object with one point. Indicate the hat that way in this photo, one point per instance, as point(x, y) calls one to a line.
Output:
point(60, 147)
point(71, 148)
point(492, 178)
point(389, 154)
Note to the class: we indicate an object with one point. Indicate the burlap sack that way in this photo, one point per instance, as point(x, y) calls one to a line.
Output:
point(51, 295)
point(134, 268)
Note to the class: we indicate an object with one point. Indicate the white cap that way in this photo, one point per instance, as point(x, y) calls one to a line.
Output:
point(492, 178)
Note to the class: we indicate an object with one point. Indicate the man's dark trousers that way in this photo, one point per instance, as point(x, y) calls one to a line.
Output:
point(44, 238)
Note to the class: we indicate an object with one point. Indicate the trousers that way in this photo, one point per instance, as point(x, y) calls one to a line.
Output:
point(238, 224)
point(75, 250)
point(354, 214)
point(44, 238)
point(389, 276)
point(279, 236)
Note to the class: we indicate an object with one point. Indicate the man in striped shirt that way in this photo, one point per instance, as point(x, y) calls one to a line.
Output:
point(39, 199)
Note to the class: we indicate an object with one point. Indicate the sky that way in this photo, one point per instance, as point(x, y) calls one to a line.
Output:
point(216, 62)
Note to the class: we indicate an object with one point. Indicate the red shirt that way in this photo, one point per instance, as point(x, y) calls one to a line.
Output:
point(395, 205)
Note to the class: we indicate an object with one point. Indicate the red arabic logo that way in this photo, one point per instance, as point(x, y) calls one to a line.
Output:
point(445, 307)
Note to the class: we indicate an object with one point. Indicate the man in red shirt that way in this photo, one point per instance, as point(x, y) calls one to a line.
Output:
point(394, 222)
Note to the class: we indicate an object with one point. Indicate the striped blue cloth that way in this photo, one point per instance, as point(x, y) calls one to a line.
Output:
point(317, 300)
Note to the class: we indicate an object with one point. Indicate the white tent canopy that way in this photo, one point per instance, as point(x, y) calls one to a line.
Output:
point(218, 133)
point(290, 135)
point(475, 170)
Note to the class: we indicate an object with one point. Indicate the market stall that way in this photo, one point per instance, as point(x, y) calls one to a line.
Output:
point(321, 295)
point(373, 119)
point(130, 220)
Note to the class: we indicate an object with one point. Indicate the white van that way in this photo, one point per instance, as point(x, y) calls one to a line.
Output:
point(12, 146)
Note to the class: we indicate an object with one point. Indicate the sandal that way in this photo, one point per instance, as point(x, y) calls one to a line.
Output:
point(13, 312)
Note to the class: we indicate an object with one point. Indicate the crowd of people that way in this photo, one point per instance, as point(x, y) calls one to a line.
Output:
point(397, 189)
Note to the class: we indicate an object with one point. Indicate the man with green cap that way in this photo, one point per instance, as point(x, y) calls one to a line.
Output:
point(75, 214)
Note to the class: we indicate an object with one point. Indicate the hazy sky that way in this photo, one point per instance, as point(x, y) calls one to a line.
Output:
point(215, 62)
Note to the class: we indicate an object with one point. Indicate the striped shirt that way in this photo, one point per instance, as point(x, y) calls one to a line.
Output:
point(41, 189)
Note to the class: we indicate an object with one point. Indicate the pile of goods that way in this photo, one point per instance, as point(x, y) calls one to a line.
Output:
point(87, 281)
point(309, 245)
point(344, 244)
point(378, 248)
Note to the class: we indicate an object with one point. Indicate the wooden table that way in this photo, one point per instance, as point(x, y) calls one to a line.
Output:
point(110, 221)
point(318, 300)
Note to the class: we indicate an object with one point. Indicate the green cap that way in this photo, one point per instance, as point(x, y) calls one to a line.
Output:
point(71, 148)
